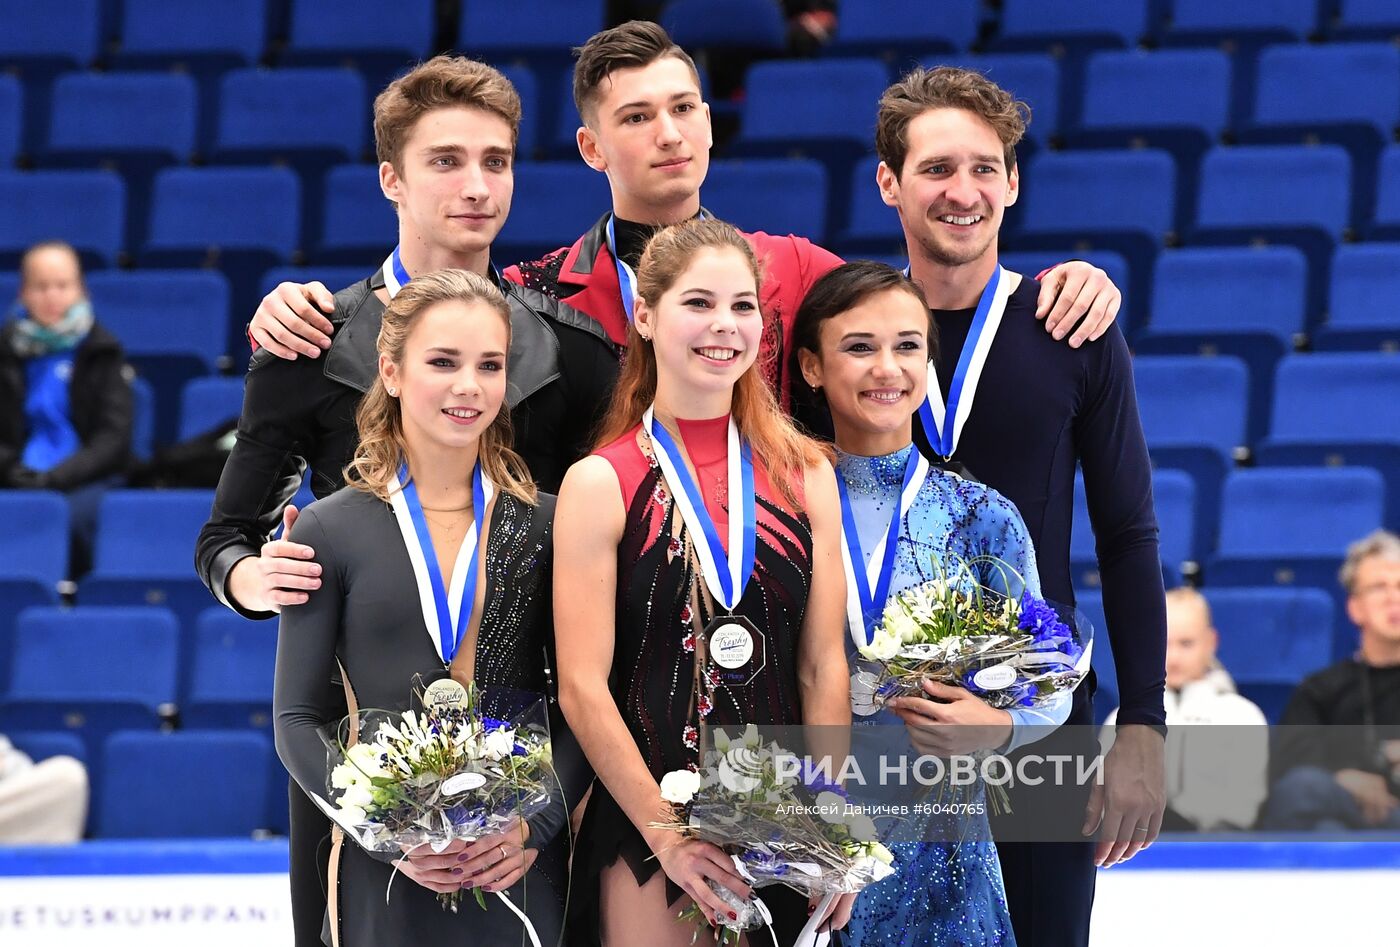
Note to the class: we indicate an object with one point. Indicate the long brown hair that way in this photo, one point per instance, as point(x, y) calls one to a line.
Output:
point(784, 451)
point(375, 466)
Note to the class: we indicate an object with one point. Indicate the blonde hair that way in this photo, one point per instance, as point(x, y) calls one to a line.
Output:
point(784, 451)
point(1381, 544)
point(375, 466)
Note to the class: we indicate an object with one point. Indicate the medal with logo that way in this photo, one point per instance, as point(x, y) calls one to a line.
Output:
point(447, 612)
point(733, 646)
point(868, 581)
point(943, 422)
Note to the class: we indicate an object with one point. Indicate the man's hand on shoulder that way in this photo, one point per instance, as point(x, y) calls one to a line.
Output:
point(292, 320)
point(282, 574)
point(1077, 293)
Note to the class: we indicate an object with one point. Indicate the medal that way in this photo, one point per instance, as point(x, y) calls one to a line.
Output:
point(446, 612)
point(736, 649)
point(943, 424)
point(444, 694)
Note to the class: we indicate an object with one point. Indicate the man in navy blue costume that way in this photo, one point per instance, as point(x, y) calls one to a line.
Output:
point(1024, 412)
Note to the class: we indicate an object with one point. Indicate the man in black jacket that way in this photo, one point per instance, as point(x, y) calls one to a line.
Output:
point(446, 137)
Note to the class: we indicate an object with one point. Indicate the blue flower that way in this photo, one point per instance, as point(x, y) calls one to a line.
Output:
point(815, 780)
point(1041, 620)
point(491, 723)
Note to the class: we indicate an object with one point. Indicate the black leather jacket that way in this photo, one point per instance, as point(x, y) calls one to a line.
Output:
point(301, 413)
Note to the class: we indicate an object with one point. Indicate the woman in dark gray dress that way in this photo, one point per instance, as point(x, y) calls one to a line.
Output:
point(440, 518)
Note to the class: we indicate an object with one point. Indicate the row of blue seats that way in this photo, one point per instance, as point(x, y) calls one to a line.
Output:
point(1270, 638)
point(214, 673)
point(184, 784)
point(1118, 200)
point(73, 30)
point(1180, 99)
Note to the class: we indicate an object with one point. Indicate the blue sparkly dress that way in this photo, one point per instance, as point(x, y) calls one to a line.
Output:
point(943, 893)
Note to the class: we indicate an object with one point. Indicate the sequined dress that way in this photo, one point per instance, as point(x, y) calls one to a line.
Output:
point(945, 894)
point(653, 677)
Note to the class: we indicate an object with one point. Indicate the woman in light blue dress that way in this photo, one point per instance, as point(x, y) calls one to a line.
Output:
point(864, 338)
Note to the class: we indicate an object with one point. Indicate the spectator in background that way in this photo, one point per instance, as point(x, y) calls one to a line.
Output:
point(65, 402)
point(42, 803)
point(1348, 778)
point(1214, 781)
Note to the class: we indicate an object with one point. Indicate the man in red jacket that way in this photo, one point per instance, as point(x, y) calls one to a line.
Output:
point(646, 126)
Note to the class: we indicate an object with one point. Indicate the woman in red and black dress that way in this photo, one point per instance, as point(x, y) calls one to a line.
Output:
point(702, 508)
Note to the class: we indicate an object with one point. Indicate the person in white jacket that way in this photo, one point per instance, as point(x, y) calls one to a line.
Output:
point(42, 803)
point(1215, 781)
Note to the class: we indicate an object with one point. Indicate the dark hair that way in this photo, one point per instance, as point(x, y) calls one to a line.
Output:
point(846, 287)
point(632, 45)
point(946, 88)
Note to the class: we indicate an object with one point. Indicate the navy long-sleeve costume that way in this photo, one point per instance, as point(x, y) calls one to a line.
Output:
point(1041, 408)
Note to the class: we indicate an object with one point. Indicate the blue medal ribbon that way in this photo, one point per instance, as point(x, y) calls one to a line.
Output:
point(944, 440)
point(872, 603)
point(626, 279)
point(449, 638)
point(725, 574)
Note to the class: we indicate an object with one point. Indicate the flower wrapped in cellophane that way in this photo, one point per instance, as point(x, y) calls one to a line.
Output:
point(781, 820)
point(449, 771)
point(1011, 650)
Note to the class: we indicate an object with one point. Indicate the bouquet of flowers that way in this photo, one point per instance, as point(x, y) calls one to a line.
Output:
point(447, 772)
point(781, 821)
point(1012, 651)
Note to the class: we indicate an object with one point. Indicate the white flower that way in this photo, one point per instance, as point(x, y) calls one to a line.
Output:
point(883, 646)
point(344, 776)
point(863, 829)
point(880, 853)
point(832, 807)
point(354, 814)
point(499, 744)
point(364, 759)
point(356, 797)
point(679, 786)
point(741, 770)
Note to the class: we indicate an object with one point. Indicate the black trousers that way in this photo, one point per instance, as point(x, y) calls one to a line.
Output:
point(309, 854)
point(1050, 884)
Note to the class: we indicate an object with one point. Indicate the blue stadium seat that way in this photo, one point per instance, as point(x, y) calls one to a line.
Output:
point(1239, 202)
point(531, 123)
point(783, 118)
point(1248, 303)
point(360, 33)
point(230, 685)
point(173, 324)
point(1361, 311)
point(1366, 19)
point(143, 120)
point(869, 227)
point(1176, 100)
point(1034, 78)
point(1105, 673)
point(86, 208)
point(144, 551)
point(1199, 22)
point(41, 40)
point(91, 670)
point(726, 26)
point(1194, 414)
point(1386, 223)
point(1308, 94)
point(1270, 639)
point(143, 420)
point(899, 30)
point(334, 278)
point(239, 220)
point(1103, 200)
point(359, 226)
point(774, 195)
point(41, 745)
point(1174, 498)
point(1291, 527)
point(11, 120)
point(554, 202)
point(192, 35)
point(34, 542)
point(1041, 24)
point(209, 403)
point(1338, 410)
point(263, 116)
point(222, 778)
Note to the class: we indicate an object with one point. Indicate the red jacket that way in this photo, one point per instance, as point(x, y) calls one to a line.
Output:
point(585, 276)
